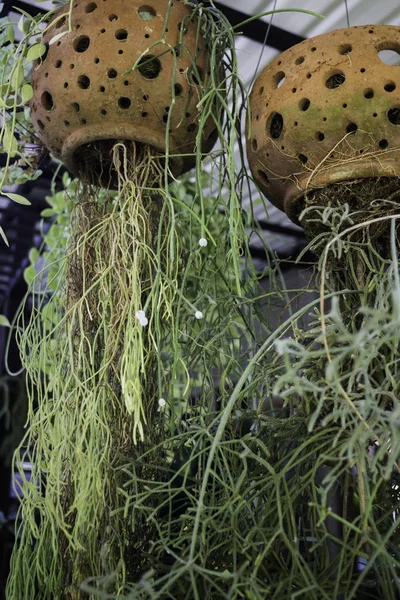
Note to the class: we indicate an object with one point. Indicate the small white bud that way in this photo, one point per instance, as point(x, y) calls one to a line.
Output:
point(198, 314)
point(161, 403)
point(144, 321)
point(140, 314)
point(203, 242)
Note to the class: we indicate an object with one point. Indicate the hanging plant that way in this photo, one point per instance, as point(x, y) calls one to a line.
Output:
point(142, 308)
point(325, 150)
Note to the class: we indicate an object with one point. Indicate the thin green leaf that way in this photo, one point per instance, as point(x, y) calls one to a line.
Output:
point(10, 34)
point(3, 235)
point(17, 198)
point(57, 37)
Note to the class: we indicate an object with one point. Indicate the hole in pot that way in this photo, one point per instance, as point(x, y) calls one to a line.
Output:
point(83, 82)
point(44, 55)
point(145, 97)
point(263, 178)
point(368, 93)
point(299, 60)
point(191, 128)
point(303, 158)
point(254, 145)
point(47, 101)
point(60, 23)
point(351, 128)
point(121, 34)
point(362, 70)
point(103, 111)
point(124, 102)
point(41, 124)
point(76, 106)
point(126, 82)
point(149, 66)
point(261, 91)
point(144, 114)
point(279, 79)
point(67, 123)
point(146, 12)
point(313, 49)
point(178, 89)
point(390, 86)
point(275, 125)
point(383, 144)
point(72, 66)
point(308, 75)
point(390, 55)
point(112, 73)
point(320, 136)
point(335, 80)
point(113, 18)
point(183, 28)
point(147, 35)
point(89, 8)
point(102, 89)
point(81, 43)
point(165, 118)
point(97, 60)
point(294, 90)
point(345, 49)
point(344, 105)
point(65, 84)
point(197, 76)
point(394, 115)
point(304, 104)
point(102, 30)
point(120, 51)
point(58, 64)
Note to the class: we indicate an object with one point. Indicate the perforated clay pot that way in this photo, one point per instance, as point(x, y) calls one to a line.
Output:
point(326, 111)
point(86, 93)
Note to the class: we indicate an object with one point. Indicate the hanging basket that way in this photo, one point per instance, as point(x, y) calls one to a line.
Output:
point(326, 111)
point(87, 95)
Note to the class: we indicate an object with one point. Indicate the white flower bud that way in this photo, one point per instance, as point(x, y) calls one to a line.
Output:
point(144, 321)
point(140, 314)
point(161, 403)
point(198, 314)
point(203, 242)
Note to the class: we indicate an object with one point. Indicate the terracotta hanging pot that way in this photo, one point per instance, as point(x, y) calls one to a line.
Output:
point(326, 111)
point(86, 92)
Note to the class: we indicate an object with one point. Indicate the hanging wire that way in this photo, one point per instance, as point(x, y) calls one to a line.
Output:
point(347, 13)
point(263, 46)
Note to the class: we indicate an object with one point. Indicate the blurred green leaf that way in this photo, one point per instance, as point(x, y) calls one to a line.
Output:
point(35, 52)
point(9, 142)
point(4, 322)
point(17, 198)
point(29, 274)
point(26, 93)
